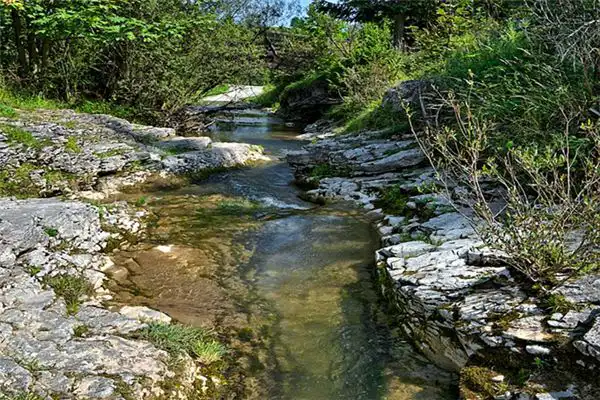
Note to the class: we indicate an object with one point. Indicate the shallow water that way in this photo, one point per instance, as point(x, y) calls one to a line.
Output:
point(289, 285)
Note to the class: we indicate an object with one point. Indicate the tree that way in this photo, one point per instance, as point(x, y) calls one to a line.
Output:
point(401, 13)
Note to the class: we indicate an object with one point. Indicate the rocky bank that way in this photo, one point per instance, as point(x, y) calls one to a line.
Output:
point(58, 337)
point(454, 297)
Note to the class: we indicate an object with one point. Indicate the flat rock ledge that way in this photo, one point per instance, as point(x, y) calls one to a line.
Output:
point(55, 344)
point(53, 350)
point(57, 152)
point(454, 297)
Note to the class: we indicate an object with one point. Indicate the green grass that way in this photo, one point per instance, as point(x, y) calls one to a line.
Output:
point(376, 116)
point(12, 99)
point(393, 200)
point(322, 171)
point(72, 146)
point(7, 111)
point(21, 396)
point(221, 89)
point(18, 182)
point(16, 135)
point(142, 200)
point(33, 270)
point(181, 339)
point(51, 232)
point(71, 288)
point(236, 207)
point(111, 153)
point(81, 331)
point(557, 303)
point(268, 98)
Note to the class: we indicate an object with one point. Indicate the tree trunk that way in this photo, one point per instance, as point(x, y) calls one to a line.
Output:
point(33, 51)
point(399, 32)
point(45, 54)
point(18, 28)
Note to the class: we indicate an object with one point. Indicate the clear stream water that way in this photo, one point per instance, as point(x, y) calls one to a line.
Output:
point(289, 285)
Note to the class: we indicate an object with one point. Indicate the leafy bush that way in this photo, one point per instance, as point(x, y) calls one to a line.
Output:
point(547, 228)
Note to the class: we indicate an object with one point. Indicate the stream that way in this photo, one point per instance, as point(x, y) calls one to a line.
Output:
point(288, 285)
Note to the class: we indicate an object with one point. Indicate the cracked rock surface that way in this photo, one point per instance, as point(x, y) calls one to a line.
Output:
point(40, 347)
point(53, 343)
point(56, 152)
point(454, 297)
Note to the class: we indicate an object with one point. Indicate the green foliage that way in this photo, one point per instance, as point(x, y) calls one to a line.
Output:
point(478, 380)
point(393, 200)
point(7, 111)
point(71, 288)
point(17, 135)
point(153, 57)
point(353, 63)
point(220, 89)
point(268, 98)
point(33, 270)
point(237, 207)
point(180, 339)
point(81, 331)
point(141, 201)
point(72, 146)
point(322, 171)
point(557, 303)
point(51, 232)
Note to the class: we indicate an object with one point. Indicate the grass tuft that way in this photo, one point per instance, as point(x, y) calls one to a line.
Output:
point(72, 146)
point(16, 135)
point(71, 288)
point(182, 339)
point(7, 111)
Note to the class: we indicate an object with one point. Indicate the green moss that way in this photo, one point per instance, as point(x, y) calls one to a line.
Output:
point(7, 111)
point(478, 380)
point(71, 288)
point(236, 207)
point(16, 135)
point(21, 396)
point(53, 177)
point(557, 303)
point(18, 182)
point(141, 201)
point(181, 339)
point(72, 146)
point(321, 171)
point(110, 153)
point(81, 331)
point(503, 321)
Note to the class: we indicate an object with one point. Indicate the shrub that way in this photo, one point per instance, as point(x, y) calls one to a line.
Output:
point(547, 228)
